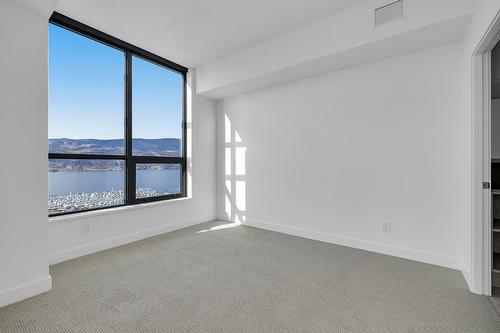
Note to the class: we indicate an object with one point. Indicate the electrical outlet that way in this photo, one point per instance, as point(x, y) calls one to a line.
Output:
point(86, 227)
point(386, 227)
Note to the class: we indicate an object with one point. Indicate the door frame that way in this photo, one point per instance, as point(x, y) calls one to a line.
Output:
point(481, 261)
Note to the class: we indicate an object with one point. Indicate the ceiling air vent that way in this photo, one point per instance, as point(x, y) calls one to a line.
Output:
point(389, 13)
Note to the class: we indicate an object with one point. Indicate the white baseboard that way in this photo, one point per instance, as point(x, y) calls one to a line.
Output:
point(473, 287)
point(27, 290)
point(406, 253)
point(466, 275)
point(79, 251)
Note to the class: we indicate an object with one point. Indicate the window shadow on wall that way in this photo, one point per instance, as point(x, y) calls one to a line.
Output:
point(234, 174)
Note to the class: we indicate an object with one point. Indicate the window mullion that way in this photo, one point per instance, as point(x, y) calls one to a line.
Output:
point(184, 137)
point(130, 165)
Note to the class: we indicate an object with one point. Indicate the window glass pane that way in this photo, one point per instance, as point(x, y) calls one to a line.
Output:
point(86, 95)
point(153, 180)
point(157, 99)
point(76, 185)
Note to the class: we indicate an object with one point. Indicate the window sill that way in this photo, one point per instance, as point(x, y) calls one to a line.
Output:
point(104, 211)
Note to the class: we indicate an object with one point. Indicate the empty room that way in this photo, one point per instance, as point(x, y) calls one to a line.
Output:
point(250, 166)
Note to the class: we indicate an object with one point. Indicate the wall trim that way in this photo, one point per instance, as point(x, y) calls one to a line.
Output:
point(466, 275)
point(83, 250)
point(406, 253)
point(26, 290)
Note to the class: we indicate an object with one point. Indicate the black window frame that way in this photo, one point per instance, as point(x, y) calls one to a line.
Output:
point(129, 159)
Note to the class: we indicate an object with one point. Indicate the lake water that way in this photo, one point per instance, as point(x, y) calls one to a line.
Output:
point(165, 181)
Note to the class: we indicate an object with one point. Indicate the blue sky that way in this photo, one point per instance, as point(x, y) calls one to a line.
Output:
point(86, 92)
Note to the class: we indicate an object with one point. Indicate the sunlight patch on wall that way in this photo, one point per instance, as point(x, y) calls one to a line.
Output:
point(240, 161)
point(227, 129)
point(241, 202)
point(229, 206)
point(237, 137)
point(235, 172)
point(228, 162)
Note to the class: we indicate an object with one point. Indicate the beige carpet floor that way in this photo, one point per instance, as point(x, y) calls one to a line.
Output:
point(242, 279)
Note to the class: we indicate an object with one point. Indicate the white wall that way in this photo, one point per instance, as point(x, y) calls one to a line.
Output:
point(334, 157)
point(23, 169)
point(75, 236)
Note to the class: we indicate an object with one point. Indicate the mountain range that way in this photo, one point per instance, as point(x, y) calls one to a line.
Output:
point(140, 147)
point(169, 147)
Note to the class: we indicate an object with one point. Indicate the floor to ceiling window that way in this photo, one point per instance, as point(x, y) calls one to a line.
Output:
point(116, 122)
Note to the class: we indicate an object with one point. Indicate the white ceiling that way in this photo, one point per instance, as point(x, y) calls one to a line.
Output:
point(41, 7)
point(195, 32)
